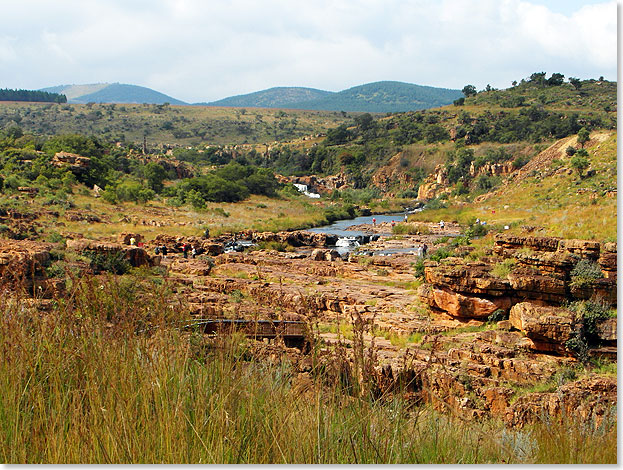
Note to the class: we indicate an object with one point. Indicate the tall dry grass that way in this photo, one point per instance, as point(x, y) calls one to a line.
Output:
point(106, 377)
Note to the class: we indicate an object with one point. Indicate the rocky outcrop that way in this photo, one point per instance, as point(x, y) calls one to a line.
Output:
point(591, 399)
point(295, 238)
point(133, 254)
point(467, 306)
point(75, 163)
point(317, 184)
point(549, 328)
point(434, 185)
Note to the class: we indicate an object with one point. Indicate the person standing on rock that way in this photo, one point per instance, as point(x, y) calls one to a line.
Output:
point(193, 252)
point(207, 233)
point(406, 218)
point(424, 249)
point(164, 251)
point(441, 224)
point(186, 249)
point(132, 241)
point(374, 221)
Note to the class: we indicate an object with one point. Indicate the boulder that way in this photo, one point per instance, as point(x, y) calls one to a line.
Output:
point(549, 328)
point(608, 260)
point(607, 330)
point(465, 306)
point(75, 163)
point(133, 254)
point(583, 248)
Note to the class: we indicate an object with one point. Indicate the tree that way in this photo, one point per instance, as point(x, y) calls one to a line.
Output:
point(580, 162)
point(469, 90)
point(583, 136)
point(537, 78)
point(570, 151)
point(155, 174)
point(556, 79)
point(576, 82)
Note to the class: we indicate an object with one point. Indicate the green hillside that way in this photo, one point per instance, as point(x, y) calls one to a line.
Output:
point(278, 97)
point(378, 97)
point(384, 97)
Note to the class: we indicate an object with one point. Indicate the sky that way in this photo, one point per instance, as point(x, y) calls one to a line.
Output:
point(205, 50)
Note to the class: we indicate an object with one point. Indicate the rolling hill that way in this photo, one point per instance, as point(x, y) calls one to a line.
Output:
point(379, 97)
point(278, 97)
point(112, 93)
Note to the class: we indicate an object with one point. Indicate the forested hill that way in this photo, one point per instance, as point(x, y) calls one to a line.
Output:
point(7, 94)
point(112, 93)
point(384, 97)
point(378, 97)
point(278, 97)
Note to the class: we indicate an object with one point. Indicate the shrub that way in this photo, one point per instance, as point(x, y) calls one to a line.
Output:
point(418, 268)
point(410, 229)
point(441, 253)
point(497, 316)
point(112, 262)
point(585, 272)
point(435, 204)
point(503, 269)
point(476, 230)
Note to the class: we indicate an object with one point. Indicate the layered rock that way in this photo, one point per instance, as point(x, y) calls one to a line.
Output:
point(75, 163)
point(549, 328)
point(133, 254)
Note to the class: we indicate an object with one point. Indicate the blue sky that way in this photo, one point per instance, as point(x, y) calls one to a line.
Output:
point(197, 50)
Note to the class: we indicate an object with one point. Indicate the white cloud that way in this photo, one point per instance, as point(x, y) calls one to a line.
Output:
point(201, 51)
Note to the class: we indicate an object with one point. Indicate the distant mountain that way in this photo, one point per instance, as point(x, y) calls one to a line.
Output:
point(111, 93)
point(380, 97)
point(384, 97)
point(278, 97)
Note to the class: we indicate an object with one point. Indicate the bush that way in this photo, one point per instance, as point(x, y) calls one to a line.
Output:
point(441, 253)
point(585, 272)
point(410, 229)
point(503, 269)
point(435, 204)
point(497, 316)
point(111, 262)
point(476, 230)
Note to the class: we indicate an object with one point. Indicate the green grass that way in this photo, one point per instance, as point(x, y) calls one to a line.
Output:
point(504, 268)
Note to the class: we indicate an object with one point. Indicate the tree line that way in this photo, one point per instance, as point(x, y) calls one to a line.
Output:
point(7, 94)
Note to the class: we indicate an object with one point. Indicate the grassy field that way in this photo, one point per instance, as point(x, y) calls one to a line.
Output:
point(168, 125)
point(106, 378)
point(561, 204)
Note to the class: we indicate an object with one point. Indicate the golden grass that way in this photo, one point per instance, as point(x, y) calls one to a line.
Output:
point(563, 205)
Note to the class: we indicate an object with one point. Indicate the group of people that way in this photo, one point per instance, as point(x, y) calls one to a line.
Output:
point(186, 248)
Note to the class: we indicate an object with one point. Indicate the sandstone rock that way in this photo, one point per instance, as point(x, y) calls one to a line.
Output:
point(133, 254)
point(548, 327)
point(332, 255)
point(583, 248)
point(504, 242)
point(77, 164)
point(463, 306)
point(590, 400)
point(497, 399)
point(124, 238)
point(471, 278)
point(318, 254)
point(608, 260)
point(607, 330)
